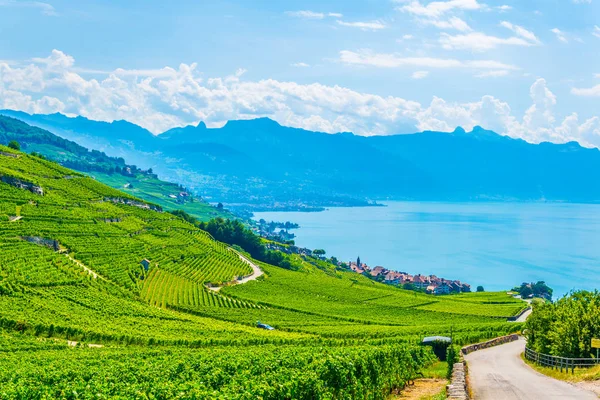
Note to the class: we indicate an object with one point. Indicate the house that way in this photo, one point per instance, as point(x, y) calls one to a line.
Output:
point(392, 278)
point(442, 289)
point(375, 272)
point(420, 281)
point(145, 263)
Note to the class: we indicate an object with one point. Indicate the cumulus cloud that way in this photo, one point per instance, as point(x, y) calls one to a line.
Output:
point(596, 31)
point(168, 97)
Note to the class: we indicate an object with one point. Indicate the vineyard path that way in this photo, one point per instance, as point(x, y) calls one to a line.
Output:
point(256, 272)
point(87, 269)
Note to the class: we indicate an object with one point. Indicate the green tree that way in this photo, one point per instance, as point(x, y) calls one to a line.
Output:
point(319, 252)
point(13, 144)
point(480, 289)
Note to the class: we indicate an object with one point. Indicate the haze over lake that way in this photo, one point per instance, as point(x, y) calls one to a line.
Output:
point(497, 245)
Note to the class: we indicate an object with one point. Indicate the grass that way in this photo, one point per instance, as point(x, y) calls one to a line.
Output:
point(436, 370)
point(579, 375)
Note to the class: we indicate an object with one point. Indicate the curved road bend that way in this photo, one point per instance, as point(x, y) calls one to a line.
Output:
point(499, 373)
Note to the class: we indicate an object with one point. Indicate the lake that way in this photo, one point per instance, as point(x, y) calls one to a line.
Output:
point(497, 245)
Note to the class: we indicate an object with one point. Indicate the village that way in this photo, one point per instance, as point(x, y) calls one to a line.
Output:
point(430, 284)
point(421, 283)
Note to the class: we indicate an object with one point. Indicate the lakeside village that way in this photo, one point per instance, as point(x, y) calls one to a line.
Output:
point(429, 284)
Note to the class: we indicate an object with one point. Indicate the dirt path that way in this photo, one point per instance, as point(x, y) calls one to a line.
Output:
point(422, 388)
point(82, 265)
point(499, 373)
point(256, 272)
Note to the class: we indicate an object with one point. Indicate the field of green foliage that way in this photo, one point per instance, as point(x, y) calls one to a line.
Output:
point(86, 263)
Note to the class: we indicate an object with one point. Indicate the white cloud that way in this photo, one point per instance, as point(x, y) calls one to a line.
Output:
point(582, 1)
point(437, 9)
point(504, 8)
point(367, 26)
point(300, 65)
point(159, 101)
point(452, 23)
point(386, 60)
point(477, 41)
point(44, 8)
point(596, 31)
point(407, 37)
point(587, 92)
point(420, 74)
point(306, 14)
point(560, 35)
point(520, 31)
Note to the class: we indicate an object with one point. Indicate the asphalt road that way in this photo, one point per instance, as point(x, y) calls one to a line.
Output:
point(499, 373)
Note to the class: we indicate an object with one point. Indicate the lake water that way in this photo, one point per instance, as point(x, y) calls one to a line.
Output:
point(497, 245)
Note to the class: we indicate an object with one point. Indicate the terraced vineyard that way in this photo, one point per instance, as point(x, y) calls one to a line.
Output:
point(85, 262)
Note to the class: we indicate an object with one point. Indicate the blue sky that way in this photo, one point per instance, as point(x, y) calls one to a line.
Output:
point(524, 68)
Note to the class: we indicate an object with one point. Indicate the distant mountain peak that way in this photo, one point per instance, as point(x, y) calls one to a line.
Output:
point(201, 125)
point(262, 122)
point(459, 131)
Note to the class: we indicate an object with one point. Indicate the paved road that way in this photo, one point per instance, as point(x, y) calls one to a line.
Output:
point(499, 373)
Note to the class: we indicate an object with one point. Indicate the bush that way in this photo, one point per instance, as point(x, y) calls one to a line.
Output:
point(13, 144)
point(451, 358)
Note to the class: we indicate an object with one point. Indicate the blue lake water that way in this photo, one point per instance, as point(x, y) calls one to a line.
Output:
point(497, 245)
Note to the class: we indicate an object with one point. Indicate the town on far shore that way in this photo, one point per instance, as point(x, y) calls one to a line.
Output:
point(429, 284)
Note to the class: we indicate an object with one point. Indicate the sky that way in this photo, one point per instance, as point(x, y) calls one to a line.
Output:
point(527, 69)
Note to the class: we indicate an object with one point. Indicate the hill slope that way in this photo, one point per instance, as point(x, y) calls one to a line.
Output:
point(85, 262)
point(112, 171)
point(262, 164)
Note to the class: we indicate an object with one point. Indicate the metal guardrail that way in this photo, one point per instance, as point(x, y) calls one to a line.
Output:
point(560, 363)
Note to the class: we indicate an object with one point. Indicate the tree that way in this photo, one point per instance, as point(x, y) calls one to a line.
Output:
point(319, 252)
point(480, 289)
point(526, 291)
point(13, 144)
point(220, 206)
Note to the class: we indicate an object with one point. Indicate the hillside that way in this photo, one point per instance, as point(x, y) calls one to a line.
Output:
point(85, 262)
point(112, 171)
point(260, 164)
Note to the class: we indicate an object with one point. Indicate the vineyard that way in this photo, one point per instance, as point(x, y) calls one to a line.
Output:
point(83, 262)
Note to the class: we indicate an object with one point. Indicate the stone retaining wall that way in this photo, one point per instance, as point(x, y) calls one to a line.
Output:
point(457, 389)
point(490, 343)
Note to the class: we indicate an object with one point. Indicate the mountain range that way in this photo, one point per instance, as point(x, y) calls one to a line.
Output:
point(260, 164)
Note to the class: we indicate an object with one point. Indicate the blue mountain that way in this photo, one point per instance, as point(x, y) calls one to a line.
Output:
point(259, 162)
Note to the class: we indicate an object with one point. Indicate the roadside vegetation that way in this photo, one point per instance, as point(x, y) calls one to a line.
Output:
point(566, 327)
